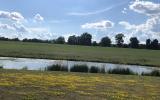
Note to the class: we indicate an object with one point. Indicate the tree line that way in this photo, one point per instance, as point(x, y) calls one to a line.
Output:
point(86, 39)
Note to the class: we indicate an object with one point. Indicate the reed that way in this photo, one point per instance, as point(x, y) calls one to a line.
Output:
point(56, 67)
point(94, 69)
point(79, 68)
point(123, 71)
point(153, 73)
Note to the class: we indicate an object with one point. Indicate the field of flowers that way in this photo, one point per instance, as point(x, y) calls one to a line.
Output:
point(36, 85)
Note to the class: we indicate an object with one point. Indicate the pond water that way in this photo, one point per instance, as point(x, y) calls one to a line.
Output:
point(41, 64)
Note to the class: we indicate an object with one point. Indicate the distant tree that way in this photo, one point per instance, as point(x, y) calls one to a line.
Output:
point(119, 39)
point(4, 39)
point(36, 40)
point(148, 43)
point(94, 43)
point(78, 40)
point(15, 39)
point(60, 40)
point(155, 44)
point(24, 40)
point(53, 41)
point(86, 39)
point(142, 46)
point(105, 41)
point(125, 46)
point(134, 42)
point(72, 40)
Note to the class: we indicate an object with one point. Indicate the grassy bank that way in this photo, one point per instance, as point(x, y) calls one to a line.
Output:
point(83, 53)
point(35, 85)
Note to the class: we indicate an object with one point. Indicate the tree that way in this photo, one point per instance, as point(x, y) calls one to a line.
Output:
point(60, 40)
point(148, 43)
point(119, 39)
point(155, 44)
point(78, 40)
point(72, 40)
point(94, 43)
point(105, 41)
point(134, 42)
point(15, 39)
point(4, 39)
point(86, 39)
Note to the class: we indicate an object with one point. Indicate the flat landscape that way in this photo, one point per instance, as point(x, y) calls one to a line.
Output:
point(82, 53)
point(79, 49)
point(36, 85)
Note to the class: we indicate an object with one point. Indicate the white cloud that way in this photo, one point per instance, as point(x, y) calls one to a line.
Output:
point(96, 11)
point(20, 28)
point(151, 24)
point(90, 13)
point(14, 27)
point(148, 29)
point(17, 26)
point(22, 32)
point(38, 18)
point(6, 27)
point(15, 21)
point(33, 32)
point(45, 36)
point(127, 25)
point(15, 16)
point(145, 7)
point(105, 24)
point(39, 30)
point(124, 11)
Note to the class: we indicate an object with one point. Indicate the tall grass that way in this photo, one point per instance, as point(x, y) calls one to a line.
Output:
point(123, 71)
point(94, 69)
point(1, 67)
point(79, 68)
point(56, 68)
point(153, 73)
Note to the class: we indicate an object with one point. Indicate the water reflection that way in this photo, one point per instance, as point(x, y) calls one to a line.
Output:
point(41, 64)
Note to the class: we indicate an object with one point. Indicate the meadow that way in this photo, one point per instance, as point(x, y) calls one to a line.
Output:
point(37, 85)
point(80, 53)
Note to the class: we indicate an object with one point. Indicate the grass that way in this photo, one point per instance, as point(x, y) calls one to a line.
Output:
point(1, 67)
point(122, 71)
point(56, 68)
point(80, 53)
point(79, 68)
point(37, 85)
point(94, 69)
point(153, 73)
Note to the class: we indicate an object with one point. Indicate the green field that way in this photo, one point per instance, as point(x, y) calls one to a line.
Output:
point(82, 53)
point(35, 85)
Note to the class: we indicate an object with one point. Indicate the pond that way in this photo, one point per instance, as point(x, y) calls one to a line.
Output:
point(42, 64)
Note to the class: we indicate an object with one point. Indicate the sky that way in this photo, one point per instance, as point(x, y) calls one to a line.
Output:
point(49, 19)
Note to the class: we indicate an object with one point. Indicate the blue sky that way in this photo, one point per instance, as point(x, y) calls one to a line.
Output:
point(48, 19)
